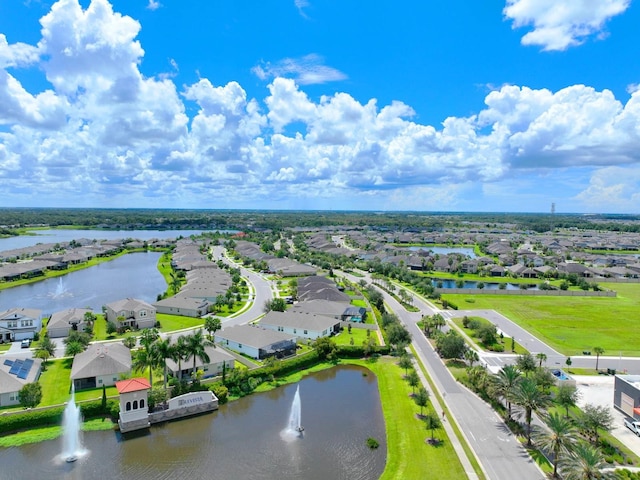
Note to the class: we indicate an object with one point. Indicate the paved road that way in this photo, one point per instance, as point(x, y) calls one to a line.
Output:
point(501, 455)
point(554, 358)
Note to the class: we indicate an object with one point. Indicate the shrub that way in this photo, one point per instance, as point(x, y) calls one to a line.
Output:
point(32, 419)
point(372, 443)
point(221, 392)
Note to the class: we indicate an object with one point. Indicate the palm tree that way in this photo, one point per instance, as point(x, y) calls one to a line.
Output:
point(165, 351)
point(506, 383)
point(148, 336)
point(195, 348)
point(526, 363)
point(471, 356)
point(558, 438)
point(599, 351)
point(175, 282)
point(180, 348)
point(212, 325)
point(567, 396)
point(529, 397)
point(586, 462)
point(541, 358)
point(146, 358)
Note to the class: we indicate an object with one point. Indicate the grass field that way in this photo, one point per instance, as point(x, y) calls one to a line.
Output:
point(571, 324)
point(359, 336)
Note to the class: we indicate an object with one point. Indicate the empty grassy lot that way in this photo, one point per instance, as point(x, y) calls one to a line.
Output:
point(571, 324)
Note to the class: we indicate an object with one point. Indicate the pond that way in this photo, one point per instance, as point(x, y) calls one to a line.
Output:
point(446, 250)
point(340, 410)
point(440, 283)
point(133, 275)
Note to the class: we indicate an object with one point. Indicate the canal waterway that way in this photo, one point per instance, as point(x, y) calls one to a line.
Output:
point(340, 410)
point(133, 275)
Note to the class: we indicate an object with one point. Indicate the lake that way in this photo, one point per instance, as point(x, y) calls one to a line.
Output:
point(340, 410)
point(133, 275)
point(446, 250)
point(57, 236)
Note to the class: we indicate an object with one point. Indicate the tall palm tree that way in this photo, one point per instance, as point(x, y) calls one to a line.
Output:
point(558, 438)
point(146, 358)
point(586, 462)
point(196, 343)
point(506, 383)
point(598, 351)
point(180, 349)
point(165, 350)
point(529, 397)
point(542, 357)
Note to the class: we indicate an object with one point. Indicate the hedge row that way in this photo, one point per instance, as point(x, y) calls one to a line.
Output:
point(53, 416)
point(355, 351)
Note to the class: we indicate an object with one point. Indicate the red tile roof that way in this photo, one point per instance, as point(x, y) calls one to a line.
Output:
point(133, 385)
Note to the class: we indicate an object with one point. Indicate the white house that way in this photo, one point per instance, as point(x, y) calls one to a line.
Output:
point(218, 359)
point(256, 342)
point(137, 314)
point(301, 325)
point(101, 364)
point(15, 373)
point(19, 324)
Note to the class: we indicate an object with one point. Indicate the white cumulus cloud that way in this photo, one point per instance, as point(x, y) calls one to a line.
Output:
point(560, 24)
point(306, 70)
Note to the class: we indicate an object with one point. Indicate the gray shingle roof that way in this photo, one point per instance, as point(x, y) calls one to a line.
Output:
point(101, 359)
point(255, 337)
point(306, 321)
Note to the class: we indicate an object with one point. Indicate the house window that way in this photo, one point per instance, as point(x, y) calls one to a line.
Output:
point(295, 331)
point(143, 313)
point(142, 403)
point(239, 345)
point(128, 406)
point(135, 404)
point(305, 332)
point(100, 381)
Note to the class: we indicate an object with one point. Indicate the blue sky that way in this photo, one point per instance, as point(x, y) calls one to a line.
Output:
point(321, 104)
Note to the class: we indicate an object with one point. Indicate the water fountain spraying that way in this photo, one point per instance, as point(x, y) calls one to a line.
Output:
point(61, 290)
point(294, 426)
point(71, 431)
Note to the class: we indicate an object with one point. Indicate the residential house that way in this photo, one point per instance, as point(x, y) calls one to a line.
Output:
point(256, 342)
point(15, 373)
point(219, 359)
point(301, 325)
point(181, 305)
point(19, 324)
point(131, 313)
point(100, 364)
point(61, 323)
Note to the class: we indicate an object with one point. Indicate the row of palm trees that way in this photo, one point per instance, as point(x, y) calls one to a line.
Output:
point(560, 437)
point(154, 352)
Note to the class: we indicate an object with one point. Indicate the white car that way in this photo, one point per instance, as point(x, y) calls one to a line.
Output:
point(26, 343)
point(632, 425)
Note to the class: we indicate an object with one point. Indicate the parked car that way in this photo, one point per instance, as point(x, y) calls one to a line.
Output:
point(26, 343)
point(632, 425)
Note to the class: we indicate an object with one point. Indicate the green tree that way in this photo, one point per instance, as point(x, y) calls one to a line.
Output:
point(432, 423)
point(181, 353)
point(129, 342)
point(103, 403)
point(397, 334)
point(488, 334)
point(558, 437)
point(413, 380)
point(326, 348)
point(164, 351)
point(585, 462)
point(46, 349)
point(567, 396)
point(148, 336)
point(450, 345)
point(145, 358)
point(30, 395)
point(405, 362)
point(212, 325)
point(471, 356)
point(528, 396)
point(421, 398)
point(195, 348)
point(73, 348)
point(111, 328)
point(526, 363)
point(598, 351)
point(541, 358)
point(595, 418)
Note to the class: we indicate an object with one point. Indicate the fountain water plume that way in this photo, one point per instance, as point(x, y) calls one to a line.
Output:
point(71, 420)
point(61, 290)
point(294, 426)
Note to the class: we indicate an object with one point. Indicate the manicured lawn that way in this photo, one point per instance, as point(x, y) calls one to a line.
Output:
point(506, 342)
point(571, 324)
point(50, 433)
point(169, 323)
point(56, 385)
point(359, 337)
point(4, 347)
point(408, 456)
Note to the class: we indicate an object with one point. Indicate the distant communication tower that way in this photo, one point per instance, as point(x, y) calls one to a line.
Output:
point(553, 208)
